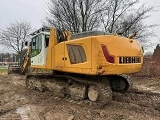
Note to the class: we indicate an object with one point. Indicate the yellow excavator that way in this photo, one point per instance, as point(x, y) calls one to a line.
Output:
point(88, 65)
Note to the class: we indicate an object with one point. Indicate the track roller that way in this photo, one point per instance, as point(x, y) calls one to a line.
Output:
point(56, 86)
point(78, 91)
point(35, 85)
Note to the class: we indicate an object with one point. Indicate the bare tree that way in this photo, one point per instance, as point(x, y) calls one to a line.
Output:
point(14, 36)
point(115, 13)
point(122, 17)
point(113, 16)
point(75, 15)
point(125, 17)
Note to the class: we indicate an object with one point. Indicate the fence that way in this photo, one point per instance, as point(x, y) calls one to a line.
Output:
point(8, 63)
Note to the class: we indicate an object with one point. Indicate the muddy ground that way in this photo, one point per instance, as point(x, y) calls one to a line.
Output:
point(19, 103)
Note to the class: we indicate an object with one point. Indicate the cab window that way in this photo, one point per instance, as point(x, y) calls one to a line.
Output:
point(36, 45)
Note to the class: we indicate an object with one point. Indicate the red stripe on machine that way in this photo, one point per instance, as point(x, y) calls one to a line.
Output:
point(106, 54)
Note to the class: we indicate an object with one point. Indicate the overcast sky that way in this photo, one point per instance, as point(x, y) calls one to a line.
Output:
point(33, 11)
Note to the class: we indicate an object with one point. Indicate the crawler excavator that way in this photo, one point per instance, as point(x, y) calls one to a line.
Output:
point(84, 66)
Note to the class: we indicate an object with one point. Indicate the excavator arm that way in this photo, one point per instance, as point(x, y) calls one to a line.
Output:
point(26, 61)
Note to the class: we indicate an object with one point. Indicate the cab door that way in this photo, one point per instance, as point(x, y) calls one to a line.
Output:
point(36, 50)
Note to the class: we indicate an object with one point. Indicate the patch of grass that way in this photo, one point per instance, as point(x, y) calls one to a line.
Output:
point(3, 70)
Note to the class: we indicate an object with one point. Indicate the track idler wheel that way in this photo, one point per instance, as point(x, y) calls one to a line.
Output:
point(100, 93)
point(121, 83)
point(93, 93)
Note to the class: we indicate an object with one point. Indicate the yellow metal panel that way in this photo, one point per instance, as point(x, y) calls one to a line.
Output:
point(86, 44)
point(96, 59)
point(83, 68)
point(120, 46)
point(52, 42)
point(116, 46)
point(59, 56)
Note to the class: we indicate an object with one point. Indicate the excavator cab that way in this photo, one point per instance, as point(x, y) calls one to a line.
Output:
point(39, 46)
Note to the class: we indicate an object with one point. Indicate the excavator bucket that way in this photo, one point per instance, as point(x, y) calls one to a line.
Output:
point(26, 62)
point(12, 69)
point(23, 68)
